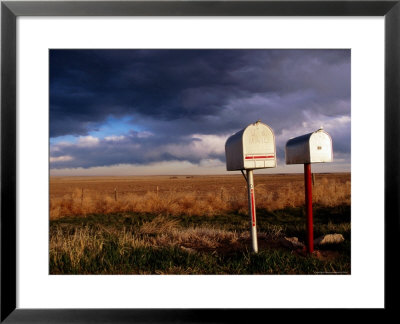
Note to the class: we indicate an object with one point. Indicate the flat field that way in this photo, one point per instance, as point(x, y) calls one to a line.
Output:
point(192, 195)
point(195, 225)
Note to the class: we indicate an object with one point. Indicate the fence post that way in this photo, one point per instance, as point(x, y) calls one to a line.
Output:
point(115, 194)
point(82, 197)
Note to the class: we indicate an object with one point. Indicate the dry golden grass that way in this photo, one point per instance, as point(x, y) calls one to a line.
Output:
point(89, 240)
point(158, 233)
point(200, 195)
point(163, 245)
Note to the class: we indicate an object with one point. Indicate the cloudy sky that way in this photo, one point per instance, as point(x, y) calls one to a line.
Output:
point(133, 112)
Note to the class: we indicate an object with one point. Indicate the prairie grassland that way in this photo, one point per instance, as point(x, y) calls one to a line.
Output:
point(130, 243)
point(180, 195)
point(194, 225)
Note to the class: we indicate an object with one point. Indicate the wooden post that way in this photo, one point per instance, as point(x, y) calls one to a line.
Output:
point(82, 197)
point(157, 191)
point(115, 194)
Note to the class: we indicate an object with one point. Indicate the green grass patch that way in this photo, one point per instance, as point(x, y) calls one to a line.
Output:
point(118, 244)
point(173, 260)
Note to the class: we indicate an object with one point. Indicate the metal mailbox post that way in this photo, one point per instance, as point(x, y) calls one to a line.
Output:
point(310, 148)
point(251, 148)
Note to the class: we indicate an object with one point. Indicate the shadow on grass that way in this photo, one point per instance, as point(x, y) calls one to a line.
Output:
point(173, 260)
point(116, 256)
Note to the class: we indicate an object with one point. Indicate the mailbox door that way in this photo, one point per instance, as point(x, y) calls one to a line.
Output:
point(259, 147)
point(320, 147)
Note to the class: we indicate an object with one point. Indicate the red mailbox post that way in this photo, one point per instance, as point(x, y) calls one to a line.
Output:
point(314, 147)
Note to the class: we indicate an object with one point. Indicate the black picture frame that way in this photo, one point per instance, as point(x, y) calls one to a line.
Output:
point(10, 10)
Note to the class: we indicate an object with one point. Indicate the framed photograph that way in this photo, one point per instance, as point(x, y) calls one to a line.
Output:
point(130, 132)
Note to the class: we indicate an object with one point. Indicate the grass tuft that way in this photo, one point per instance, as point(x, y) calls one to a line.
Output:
point(131, 243)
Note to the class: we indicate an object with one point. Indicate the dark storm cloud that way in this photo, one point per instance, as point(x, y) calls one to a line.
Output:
point(176, 93)
point(88, 86)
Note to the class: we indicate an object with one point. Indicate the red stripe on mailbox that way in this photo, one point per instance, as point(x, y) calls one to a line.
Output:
point(253, 212)
point(260, 157)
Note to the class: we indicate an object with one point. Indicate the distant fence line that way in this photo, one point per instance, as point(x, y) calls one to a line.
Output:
point(115, 194)
point(81, 201)
point(224, 193)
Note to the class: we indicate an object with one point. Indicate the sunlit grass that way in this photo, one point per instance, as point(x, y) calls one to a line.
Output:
point(325, 193)
point(158, 244)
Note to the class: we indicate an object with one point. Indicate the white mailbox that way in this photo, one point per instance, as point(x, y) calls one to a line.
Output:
point(251, 148)
point(310, 148)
